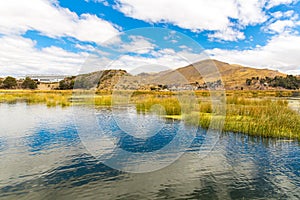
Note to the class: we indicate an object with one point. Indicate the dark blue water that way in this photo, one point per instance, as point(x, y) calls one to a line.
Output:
point(42, 157)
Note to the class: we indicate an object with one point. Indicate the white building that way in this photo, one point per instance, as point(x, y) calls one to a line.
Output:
point(47, 78)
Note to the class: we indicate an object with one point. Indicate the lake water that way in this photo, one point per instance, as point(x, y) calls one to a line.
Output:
point(43, 156)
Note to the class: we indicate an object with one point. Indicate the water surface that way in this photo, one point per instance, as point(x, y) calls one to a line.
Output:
point(42, 157)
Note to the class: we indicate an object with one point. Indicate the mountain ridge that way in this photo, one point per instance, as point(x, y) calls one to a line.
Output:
point(232, 75)
point(212, 74)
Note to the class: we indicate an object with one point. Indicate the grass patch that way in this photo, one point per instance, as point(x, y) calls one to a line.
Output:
point(257, 113)
point(50, 99)
point(266, 117)
point(170, 105)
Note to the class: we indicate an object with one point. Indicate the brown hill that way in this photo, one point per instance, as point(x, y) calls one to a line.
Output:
point(103, 80)
point(200, 73)
point(232, 75)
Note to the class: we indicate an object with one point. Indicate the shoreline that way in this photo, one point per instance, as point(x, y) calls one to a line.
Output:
point(253, 113)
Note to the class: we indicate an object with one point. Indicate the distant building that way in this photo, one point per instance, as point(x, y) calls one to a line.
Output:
point(47, 78)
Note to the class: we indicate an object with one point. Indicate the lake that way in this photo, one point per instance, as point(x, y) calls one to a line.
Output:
point(56, 153)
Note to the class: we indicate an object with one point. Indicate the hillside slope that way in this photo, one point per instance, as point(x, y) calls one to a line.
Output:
point(197, 75)
point(232, 75)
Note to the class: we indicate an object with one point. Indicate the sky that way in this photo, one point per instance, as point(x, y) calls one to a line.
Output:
point(74, 36)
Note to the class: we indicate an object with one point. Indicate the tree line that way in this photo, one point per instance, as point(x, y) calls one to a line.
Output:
point(289, 82)
point(12, 83)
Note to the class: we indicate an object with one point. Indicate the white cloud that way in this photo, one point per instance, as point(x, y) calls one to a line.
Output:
point(47, 17)
point(280, 14)
point(227, 35)
point(281, 26)
point(85, 47)
point(283, 22)
point(198, 15)
point(251, 12)
point(172, 37)
point(134, 64)
point(18, 56)
point(163, 59)
point(281, 53)
point(159, 60)
point(273, 3)
point(104, 2)
point(138, 44)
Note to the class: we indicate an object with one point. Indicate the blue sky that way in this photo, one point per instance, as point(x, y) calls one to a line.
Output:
point(66, 37)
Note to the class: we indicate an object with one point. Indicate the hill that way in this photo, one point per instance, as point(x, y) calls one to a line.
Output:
point(232, 75)
point(102, 80)
point(200, 75)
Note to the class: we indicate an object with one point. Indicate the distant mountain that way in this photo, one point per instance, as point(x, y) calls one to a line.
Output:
point(232, 75)
point(103, 80)
point(203, 74)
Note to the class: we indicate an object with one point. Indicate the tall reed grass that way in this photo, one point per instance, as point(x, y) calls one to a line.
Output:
point(258, 113)
point(266, 117)
point(51, 99)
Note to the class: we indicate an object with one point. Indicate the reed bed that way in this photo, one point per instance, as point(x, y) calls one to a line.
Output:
point(263, 118)
point(55, 98)
point(171, 105)
point(253, 116)
point(51, 99)
point(257, 113)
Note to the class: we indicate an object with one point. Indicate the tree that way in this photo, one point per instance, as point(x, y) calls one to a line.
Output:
point(66, 84)
point(289, 82)
point(9, 82)
point(262, 81)
point(28, 83)
point(248, 81)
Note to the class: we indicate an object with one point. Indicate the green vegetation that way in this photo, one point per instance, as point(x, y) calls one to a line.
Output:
point(28, 83)
point(289, 82)
point(49, 98)
point(266, 117)
point(258, 113)
point(54, 98)
point(170, 105)
point(260, 93)
point(9, 83)
point(67, 83)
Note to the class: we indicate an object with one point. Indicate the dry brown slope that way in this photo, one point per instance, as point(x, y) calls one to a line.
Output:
point(231, 74)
